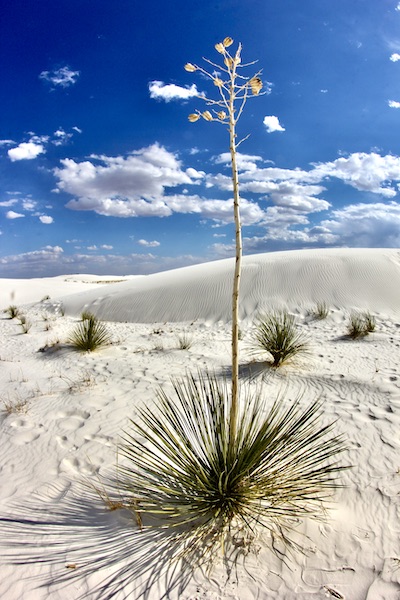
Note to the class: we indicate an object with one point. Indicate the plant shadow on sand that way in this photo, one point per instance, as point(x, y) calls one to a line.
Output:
point(75, 544)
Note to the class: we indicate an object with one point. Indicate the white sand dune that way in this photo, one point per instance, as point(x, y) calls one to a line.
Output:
point(343, 278)
point(62, 414)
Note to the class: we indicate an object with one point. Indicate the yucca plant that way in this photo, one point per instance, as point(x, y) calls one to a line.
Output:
point(12, 311)
point(180, 465)
point(360, 325)
point(278, 335)
point(208, 463)
point(321, 310)
point(89, 335)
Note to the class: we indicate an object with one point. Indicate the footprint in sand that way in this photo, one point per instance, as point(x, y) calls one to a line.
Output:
point(24, 431)
point(72, 420)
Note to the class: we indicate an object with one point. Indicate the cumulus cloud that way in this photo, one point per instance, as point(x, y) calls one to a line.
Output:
point(162, 91)
point(395, 57)
point(46, 220)
point(136, 186)
point(26, 151)
point(9, 202)
point(6, 142)
point(394, 104)
point(366, 225)
point(63, 77)
point(272, 124)
point(13, 215)
point(153, 244)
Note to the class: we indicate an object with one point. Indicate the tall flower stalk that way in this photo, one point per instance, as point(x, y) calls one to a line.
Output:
point(234, 90)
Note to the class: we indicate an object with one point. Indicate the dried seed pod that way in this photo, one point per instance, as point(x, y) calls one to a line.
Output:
point(220, 48)
point(207, 115)
point(256, 85)
point(193, 117)
point(218, 82)
point(221, 115)
point(228, 41)
point(191, 68)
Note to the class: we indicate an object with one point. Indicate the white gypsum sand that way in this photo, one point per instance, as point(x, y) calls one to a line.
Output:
point(63, 413)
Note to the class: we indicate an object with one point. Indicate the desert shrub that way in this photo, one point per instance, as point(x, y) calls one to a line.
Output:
point(321, 311)
point(360, 325)
point(181, 465)
point(370, 322)
point(185, 340)
point(90, 335)
point(12, 311)
point(25, 324)
point(277, 334)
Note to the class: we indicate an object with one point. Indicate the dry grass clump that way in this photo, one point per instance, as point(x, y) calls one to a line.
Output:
point(277, 335)
point(25, 324)
point(184, 471)
point(360, 325)
point(12, 311)
point(89, 335)
point(321, 311)
point(185, 340)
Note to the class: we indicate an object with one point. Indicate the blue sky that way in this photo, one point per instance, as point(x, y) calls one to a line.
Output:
point(101, 171)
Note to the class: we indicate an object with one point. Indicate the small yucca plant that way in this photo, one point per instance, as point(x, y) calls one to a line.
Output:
point(184, 472)
point(86, 315)
point(277, 335)
point(90, 335)
point(360, 325)
point(12, 311)
point(321, 310)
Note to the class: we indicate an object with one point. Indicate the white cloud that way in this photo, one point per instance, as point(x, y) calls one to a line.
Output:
point(63, 77)
point(395, 57)
point(394, 104)
point(13, 215)
point(46, 220)
point(366, 225)
point(6, 142)
point(61, 137)
point(9, 202)
point(106, 247)
point(77, 129)
point(51, 261)
point(153, 244)
point(26, 151)
point(272, 124)
point(124, 186)
point(29, 204)
point(168, 92)
point(245, 162)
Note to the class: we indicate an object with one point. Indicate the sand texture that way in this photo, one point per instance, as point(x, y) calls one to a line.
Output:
point(62, 414)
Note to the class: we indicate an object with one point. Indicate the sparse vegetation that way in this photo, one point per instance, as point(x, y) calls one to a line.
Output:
point(185, 340)
point(321, 311)
point(12, 311)
point(278, 335)
point(360, 325)
point(25, 324)
point(16, 406)
point(90, 335)
point(183, 467)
